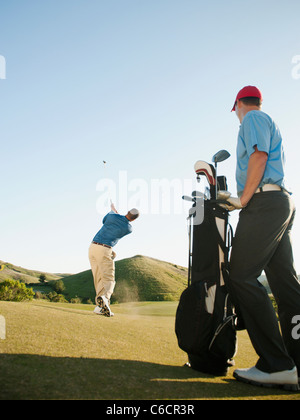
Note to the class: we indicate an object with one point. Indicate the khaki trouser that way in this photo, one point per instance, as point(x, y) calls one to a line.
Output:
point(103, 269)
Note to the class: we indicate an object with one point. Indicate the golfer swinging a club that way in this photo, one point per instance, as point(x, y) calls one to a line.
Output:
point(101, 256)
point(263, 242)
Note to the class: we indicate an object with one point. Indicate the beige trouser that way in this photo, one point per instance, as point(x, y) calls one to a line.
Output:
point(103, 269)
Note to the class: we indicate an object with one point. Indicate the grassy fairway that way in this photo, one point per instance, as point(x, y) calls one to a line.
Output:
point(57, 351)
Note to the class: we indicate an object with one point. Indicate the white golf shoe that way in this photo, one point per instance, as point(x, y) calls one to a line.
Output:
point(98, 310)
point(104, 306)
point(287, 379)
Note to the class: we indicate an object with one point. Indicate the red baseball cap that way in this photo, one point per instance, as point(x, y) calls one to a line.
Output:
point(248, 91)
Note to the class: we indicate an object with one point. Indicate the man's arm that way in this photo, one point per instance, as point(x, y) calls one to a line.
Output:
point(113, 209)
point(256, 169)
point(112, 206)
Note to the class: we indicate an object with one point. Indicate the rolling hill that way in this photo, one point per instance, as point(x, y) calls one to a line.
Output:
point(24, 275)
point(138, 278)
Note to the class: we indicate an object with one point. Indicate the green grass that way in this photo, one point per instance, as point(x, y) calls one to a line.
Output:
point(64, 351)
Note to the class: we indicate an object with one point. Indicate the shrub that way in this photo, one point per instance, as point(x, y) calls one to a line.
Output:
point(76, 300)
point(168, 297)
point(14, 291)
point(59, 299)
point(51, 295)
point(42, 278)
point(87, 301)
point(55, 297)
point(58, 286)
point(40, 296)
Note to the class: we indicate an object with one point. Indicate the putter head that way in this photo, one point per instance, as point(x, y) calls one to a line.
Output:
point(204, 168)
point(220, 156)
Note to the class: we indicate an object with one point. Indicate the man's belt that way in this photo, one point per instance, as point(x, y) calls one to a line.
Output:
point(268, 187)
point(97, 243)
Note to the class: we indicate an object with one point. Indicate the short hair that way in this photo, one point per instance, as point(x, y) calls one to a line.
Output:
point(133, 214)
point(251, 100)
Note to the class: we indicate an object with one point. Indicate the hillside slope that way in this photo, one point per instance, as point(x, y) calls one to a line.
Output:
point(24, 275)
point(143, 278)
point(137, 279)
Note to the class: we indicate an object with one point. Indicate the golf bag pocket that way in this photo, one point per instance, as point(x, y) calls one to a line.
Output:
point(224, 342)
point(205, 327)
point(210, 298)
point(193, 321)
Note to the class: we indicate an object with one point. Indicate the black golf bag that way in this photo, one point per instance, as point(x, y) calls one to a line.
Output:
point(205, 318)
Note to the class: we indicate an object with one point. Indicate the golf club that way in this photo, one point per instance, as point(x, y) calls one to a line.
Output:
point(187, 198)
point(204, 168)
point(220, 156)
point(223, 195)
point(197, 194)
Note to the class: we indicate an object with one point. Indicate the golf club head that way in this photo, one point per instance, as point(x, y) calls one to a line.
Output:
point(197, 195)
point(207, 194)
point(204, 168)
point(220, 156)
point(223, 195)
point(187, 198)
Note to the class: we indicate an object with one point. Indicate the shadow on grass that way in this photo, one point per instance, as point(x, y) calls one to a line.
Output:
point(33, 377)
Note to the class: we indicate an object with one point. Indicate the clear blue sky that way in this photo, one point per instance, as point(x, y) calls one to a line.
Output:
point(146, 85)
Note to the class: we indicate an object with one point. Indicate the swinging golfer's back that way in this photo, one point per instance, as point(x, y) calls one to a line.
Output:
point(101, 256)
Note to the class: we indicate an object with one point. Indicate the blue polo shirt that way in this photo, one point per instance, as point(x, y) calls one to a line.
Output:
point(114, 228)
point(258, 129)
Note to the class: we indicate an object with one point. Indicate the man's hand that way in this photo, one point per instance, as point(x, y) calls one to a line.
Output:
point(235, 203)
point(112, 206)
point(232, 203)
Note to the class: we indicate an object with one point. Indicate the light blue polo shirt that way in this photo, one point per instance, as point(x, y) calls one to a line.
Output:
point(258, 129)
point(114, 228)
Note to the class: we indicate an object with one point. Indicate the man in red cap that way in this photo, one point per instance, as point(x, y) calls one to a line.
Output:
point(263, 243)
